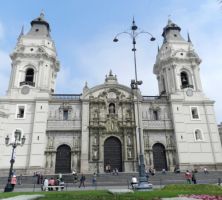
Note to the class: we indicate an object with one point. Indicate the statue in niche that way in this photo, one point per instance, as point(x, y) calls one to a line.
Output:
point(129, 140)
point(111, 108)
point(95, 154)
point(95, 140)
point(112, 126)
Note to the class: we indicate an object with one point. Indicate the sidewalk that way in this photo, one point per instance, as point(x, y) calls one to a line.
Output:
point(74, 188)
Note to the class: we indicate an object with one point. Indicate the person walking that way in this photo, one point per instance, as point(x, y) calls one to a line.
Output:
point(82, 181)
point(194, 180)
point(188, 176)
point(94, 180)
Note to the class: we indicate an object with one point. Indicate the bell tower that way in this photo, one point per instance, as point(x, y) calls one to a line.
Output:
point(195, 128)
point(34, 61)
point(177, 64)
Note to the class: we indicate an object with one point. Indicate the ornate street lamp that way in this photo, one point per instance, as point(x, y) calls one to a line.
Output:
point(143, 182)
point(18, 141)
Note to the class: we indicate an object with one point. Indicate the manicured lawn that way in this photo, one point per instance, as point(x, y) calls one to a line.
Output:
point(168, 191)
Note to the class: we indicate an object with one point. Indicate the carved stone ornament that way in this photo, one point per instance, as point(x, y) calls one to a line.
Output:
point(111, 95)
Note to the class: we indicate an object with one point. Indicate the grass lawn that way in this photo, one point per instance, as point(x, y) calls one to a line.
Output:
point(168, 191)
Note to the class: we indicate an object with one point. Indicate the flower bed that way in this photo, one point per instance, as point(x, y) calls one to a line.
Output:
point(203, 196)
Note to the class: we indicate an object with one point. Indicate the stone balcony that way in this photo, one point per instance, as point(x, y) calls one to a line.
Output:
point(157, 124)
point(54, 125)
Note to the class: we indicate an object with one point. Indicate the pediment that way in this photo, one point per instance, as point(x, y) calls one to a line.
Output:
point(108, 92)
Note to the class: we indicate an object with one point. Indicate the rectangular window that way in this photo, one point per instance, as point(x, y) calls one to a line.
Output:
point(194, 113)
point(20, 113)
point(65, 114)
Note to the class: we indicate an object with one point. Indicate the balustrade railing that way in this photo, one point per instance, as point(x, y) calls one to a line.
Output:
point(66, 96)
point(157, 124)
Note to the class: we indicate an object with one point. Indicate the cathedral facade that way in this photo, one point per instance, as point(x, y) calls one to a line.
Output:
point(98, 128)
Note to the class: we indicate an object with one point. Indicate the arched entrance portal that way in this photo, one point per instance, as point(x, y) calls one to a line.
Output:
point(113, 153)
point(159, 157)
point(63, 159)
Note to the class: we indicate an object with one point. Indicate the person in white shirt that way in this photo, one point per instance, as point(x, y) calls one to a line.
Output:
point(134, 182)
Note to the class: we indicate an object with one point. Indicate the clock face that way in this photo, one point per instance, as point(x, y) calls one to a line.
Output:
point(189, 92)
point(25, 90)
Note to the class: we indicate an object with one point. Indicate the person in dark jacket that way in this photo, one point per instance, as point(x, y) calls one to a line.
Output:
point(193, 178)
point(82, 181)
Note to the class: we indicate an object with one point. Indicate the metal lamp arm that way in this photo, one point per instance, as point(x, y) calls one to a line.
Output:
point(124, 32)
point(144, 32)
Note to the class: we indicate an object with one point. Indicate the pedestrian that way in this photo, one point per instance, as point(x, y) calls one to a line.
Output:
point(134, 182)
point(193, 178)
point(82, 181)
point(57, 183)
point(62, 183)
point(188, 177)
point(163, 171)
point(147, 175)
point(75, 177)
point(176, 169)
point(51, 183)
point(109, 168)
point(13, 181)
point(20, 179)
point(205, 171)
point(94, 180)
point(40, 178)
point(116, 171)
point(45, 184)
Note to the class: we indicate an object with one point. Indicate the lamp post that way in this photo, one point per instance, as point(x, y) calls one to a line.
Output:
point(17, 141)
point(143, 183)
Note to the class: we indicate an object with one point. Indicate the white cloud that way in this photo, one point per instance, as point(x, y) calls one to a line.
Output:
point(4, 71)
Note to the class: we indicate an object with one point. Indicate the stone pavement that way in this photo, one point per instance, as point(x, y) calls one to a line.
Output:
point(75, 188)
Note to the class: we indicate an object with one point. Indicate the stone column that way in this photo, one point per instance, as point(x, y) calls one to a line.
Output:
point(125, 144)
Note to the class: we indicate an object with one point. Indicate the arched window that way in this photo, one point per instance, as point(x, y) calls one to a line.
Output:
point(111, 108)
point(184, 79)
point(198, 135)
point(29, 76)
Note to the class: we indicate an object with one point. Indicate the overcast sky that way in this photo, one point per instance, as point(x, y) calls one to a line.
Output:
point(83, 32)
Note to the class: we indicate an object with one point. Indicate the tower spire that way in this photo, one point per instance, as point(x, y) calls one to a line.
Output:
point(42, 14)
point(21, 33)
point(188, 37)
